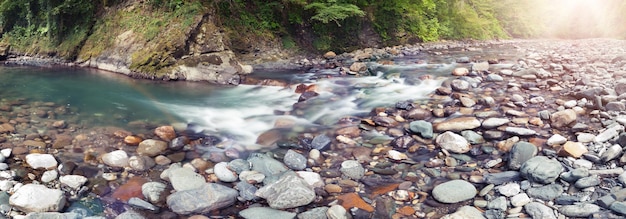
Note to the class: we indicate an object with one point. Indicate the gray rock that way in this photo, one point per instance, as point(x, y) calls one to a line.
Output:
point(118, 158)
point(579, 210)
point(606, 201)
point(615, 106)
point(37, 198)
point(520, 131)
point(459, 85)
point(494, 78)
point(537, 210)
point(208, 197)
point(153, 191)
point(608, 134)
point(510, 189)
point(463, 59)
point(472, 137)
point(51, 215)
point(480, 66)
point(246, 191)
point(265, 213)
point(454, 191)
point(453, 142)
point(502, 177)
point(575, 174)
point(151, 147)
point(423, 128)
point(498, 203)
point(130, 214)
point(239, 165)
point(315, 213)
point(520, 200)
point(520, 153)
point(337, 212)
point(556, 139)
point(266, 165)
point(183, 178)
point(295, 160)
point(465, 212)
point(352, 169)
point(73, 181)
point(587, 182)
point(46, 161)
point(223, 173)
point(289, 191)
point(619, 207)
point(494, 122)
point(320, 142)
point(141, 204)
point(541, 169)
point(141, 163)
point(546, 193)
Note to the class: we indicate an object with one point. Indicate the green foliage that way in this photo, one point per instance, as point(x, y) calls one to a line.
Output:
point(331, 10)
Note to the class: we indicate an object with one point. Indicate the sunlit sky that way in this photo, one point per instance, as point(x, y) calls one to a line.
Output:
point(584, 18)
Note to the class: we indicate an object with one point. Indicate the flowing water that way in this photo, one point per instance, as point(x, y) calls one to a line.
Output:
point(240, 112)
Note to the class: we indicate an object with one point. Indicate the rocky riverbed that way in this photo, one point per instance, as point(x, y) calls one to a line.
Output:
point(541, 137)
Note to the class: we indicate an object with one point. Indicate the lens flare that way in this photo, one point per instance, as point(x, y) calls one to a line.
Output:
point(583, 18)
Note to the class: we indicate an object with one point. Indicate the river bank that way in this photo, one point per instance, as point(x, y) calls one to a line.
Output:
point(538, 136)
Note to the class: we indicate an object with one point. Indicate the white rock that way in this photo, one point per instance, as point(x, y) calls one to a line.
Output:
point(6, 185)
point(6, 152)
point(37, 198)
point(312, 178)
point(46, 161)
point(520, 200)
point(251, 176)
point(109, 176)
point(117, 158)
point(556, 139)
point(152, 191)
point(510, 189)
point(396, 155)
point(4, 166)
point(223, 173)
point(585, 137)
point(49, 176)
point(337, 212)
point(73, 181)
point(453, 142)
point(570, 104)
point(609, 134)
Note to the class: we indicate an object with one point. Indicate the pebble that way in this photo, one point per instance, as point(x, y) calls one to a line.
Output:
point(265, 213)
point(337, 212)
point(562, 119)
point(141, 204)
point(151, 147)
point(520, 131)
point(215, 196)
point(73, 181)
point(573, 149)
point(37, 198)
point(465, 212)
point(520, 200)
point(47, 176)
point(457, 124)
point(608, 134)
point(183, 179)
point(454, 191)
point(315, 213)
point(546, 193)
point(289, 191)
point(494, 122)
point(320, 142)
point(538, 210)
point(295, 160)
point(423, 128)
point(579, 210)
point(619, 207)
point(453, 142)
point(117, 158)
point(541, 169)
point(520, 153)
point(153, 191)
point(223, 173)
point(46, 161)
point(556, 139)
point(509, 190)
point(498, 203)
point(352, 169)
point(587, 182)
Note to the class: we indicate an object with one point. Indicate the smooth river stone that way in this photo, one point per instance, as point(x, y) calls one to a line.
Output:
point(494, 122)
point(541, 169)
point(118, 158)
point(453, 142)
point(289, 191)
point(45, 161)
point(265, 213)
point(563, 118)
point(208, 197)
point(457, 124)
point(520, 153)
point(37, 198)
point(454, 191)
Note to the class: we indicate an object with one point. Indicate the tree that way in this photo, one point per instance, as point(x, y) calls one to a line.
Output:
point(331, 10)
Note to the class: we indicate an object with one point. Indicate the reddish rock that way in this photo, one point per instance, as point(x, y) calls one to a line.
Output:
point(33, 143)
point(406, 211)
point(132, 188)
point(385, 189)
point(61, 141)
point(7, 128)
point(562, 119)
point(352, 200)
point(151, 147)
point(460, 72)
point(165, 132)
point(269, 137)
point(457, 124)
point(350, 131)
point(121, 133)
point(132, 140)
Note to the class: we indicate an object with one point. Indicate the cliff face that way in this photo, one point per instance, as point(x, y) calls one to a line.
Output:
point(178, 47)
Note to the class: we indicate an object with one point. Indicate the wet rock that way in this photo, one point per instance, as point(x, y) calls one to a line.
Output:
point(454, 191)
point(587, 182)
point(46, 161)
point(33, 143)
point(320, 142)
point(418, 114)
point(117, 158)
point(546, 193)
point(509, 190)
point(295, 160)
point(266, 165)
point(619, 207)
point(453, 142)
point(141, 204)
point(73, 181)
point(498, 203)
point(423, 128)
point(153, 191)
point(466, 212)
point(246, 191)
point(315, 213)
point(520, 153)
point(352, 169)
point(289, 191)
point(178, 143)
point(223, 173)
point(183, 179)
point(457, 124)
point(472, 137)
point(266, 213)
point(132, 140)
point(460, 72)
point(166, 133)
point(460, 85)
point(615, 106)
point(151, 147)
point(538, 210)
point(208, 197)
point(37, 198)
point(337, 212)
point(562, 119)
point(520, 131)
point(141, 163)
point(502, 177)
point(541, 169)
point(494, 122)
point(579, 210)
